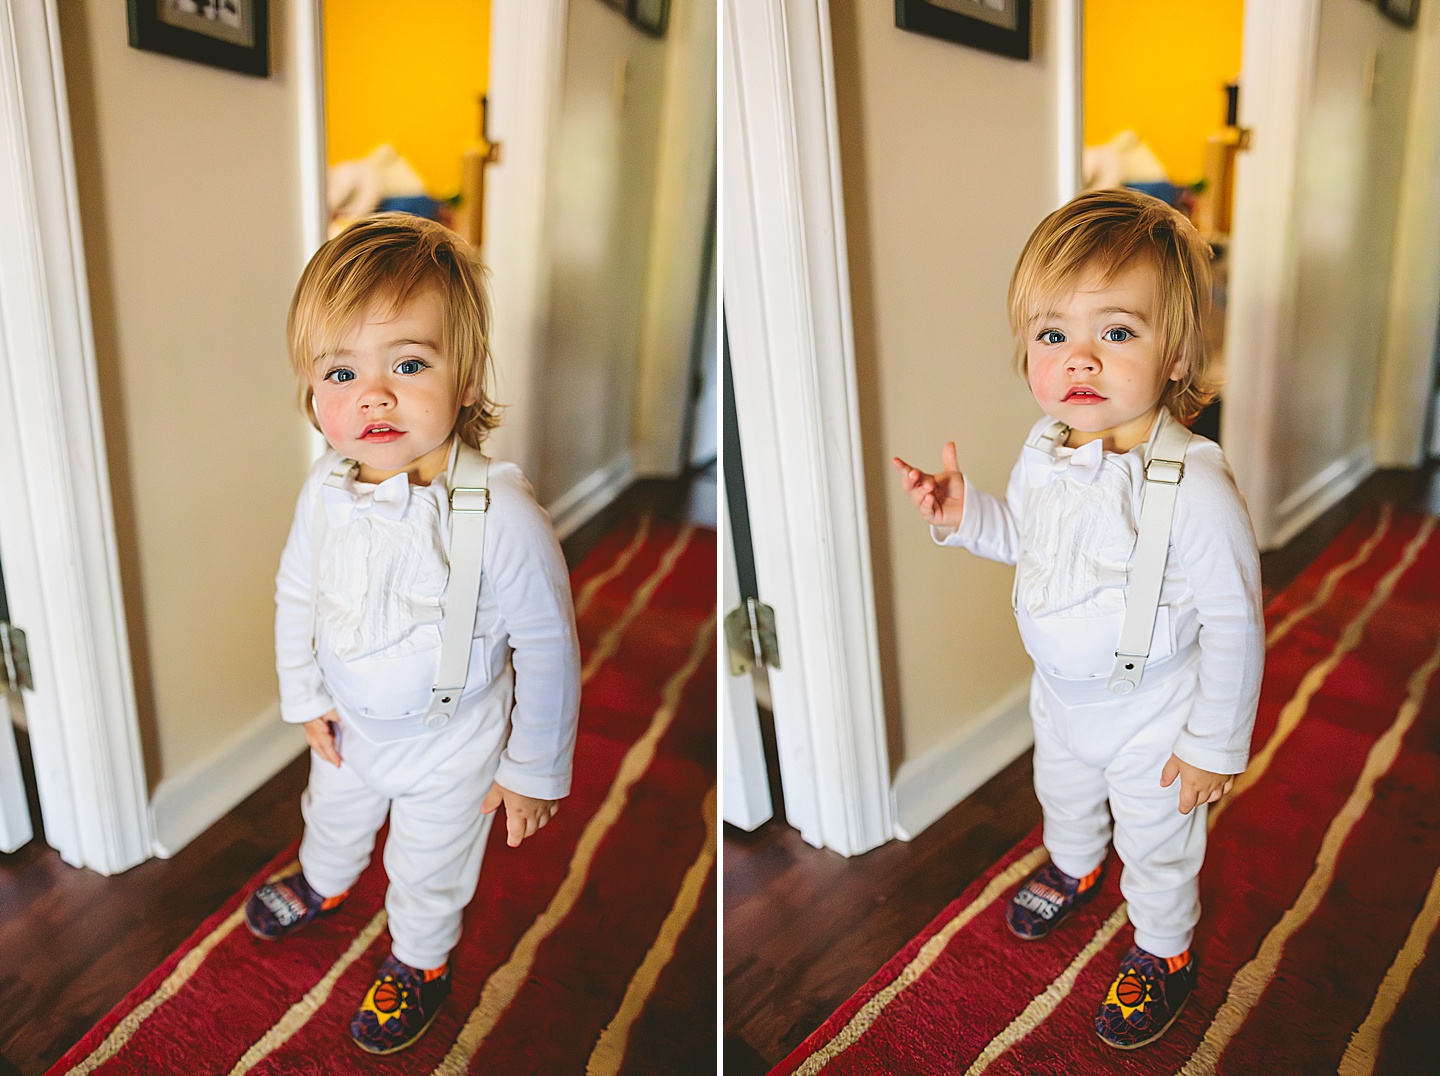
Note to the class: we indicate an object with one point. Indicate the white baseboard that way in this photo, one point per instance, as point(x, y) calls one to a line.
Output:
point(928, 786)
point(1306, 504)
point(187, 804)
point(572, 509)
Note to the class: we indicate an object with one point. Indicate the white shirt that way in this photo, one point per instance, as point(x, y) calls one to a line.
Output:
point(1071, 533)
point(384, 570)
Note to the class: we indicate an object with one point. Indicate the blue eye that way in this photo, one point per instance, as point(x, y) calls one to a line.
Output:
point(1117, 335)
point(340, 374)
point(410, 366)
point(1051, 336)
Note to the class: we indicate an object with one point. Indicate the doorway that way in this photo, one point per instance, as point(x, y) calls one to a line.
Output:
point(1165, 121)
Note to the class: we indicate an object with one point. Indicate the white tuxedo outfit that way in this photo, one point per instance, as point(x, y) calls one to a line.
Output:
point(379, 612)
point(1068, 523)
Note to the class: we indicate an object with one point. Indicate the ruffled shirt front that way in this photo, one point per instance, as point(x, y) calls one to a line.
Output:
point(383, 573)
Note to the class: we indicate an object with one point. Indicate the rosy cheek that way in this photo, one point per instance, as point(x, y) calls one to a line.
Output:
point(328, 410)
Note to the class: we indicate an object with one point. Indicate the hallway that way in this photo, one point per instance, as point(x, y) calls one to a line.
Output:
point(805, 928)
point(73, 943)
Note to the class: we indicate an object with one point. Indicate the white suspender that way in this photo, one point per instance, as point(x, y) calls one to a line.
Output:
point(469, 503)
point(1164, 467)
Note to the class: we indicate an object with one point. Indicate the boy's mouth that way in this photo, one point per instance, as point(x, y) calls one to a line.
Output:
point(1082, 394)
point(380, 431)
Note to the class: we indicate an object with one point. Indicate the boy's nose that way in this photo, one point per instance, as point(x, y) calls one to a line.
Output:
point(376, 394)
point(1081, 358)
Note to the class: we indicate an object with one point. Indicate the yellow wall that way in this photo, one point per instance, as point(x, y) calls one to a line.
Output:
point(1160, 68)
point(410, 75)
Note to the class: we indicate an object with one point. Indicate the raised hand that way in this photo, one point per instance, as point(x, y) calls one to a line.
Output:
point(938, 497)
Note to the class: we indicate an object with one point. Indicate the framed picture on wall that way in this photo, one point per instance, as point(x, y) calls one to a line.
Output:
point(1001, 26)
point(650, 15)
point(223, 33)
point(1401, 11)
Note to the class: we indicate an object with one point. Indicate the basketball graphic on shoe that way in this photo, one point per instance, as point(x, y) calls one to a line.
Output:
point(387, 996)
point(1130, 990)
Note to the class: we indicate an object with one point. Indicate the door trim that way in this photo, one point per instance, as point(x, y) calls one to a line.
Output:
point(787, 310)
point(1277, 70)
point(82, 716)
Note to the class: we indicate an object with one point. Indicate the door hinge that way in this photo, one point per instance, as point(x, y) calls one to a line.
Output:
point(750, 637)
point(16, 666)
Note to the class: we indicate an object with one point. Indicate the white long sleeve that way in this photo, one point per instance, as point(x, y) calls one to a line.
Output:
point(524, 615)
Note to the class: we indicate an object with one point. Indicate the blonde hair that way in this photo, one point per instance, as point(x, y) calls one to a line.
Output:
point(389, 258)
point(1104, 231)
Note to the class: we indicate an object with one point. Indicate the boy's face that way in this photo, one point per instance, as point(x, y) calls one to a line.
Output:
point(1094, 360)
point(385, 395)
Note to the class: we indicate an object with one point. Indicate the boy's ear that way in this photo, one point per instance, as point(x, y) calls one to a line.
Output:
point(1179, 367)
point(469, 396)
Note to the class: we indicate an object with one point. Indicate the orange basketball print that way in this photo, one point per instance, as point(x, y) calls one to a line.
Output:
point(387, 996)
point(1130, 990)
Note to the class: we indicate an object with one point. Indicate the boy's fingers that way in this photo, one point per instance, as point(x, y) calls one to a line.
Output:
point(947, 457)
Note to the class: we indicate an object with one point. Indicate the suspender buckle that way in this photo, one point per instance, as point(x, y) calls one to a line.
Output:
point(1166, 471)
point(470, 499)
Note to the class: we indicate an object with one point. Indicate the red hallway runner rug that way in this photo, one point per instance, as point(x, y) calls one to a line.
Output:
point(1317, 945)
point(588, 949)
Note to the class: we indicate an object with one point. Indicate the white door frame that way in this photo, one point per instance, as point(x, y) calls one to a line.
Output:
point(1277, 72)
point(787, 309)
point(527, 77)
point(57, 525)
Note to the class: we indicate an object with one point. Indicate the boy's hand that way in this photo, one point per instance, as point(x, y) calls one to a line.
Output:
point(1196, 785)
point(939, 497)
point(320, 734)
point(524, 815)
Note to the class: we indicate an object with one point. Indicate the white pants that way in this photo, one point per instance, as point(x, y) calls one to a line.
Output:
point(431, 787)
point(1113, 751)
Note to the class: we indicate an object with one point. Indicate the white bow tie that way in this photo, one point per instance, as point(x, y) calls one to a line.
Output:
point(1083, 464)
point(388, 500)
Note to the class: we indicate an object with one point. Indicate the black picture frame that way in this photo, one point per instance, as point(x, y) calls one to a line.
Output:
point(649, 15)
point(1003, 29)
point(1403, 12)
point(233, 34)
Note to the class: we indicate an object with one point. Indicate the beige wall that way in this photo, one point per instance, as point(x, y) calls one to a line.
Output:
point(949, 160)
point(1349, 188)
point(189, 181)
point(601, 193)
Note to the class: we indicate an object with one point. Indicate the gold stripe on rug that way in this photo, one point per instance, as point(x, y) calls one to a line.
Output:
point(1295, 709)
point(188, 965)
point(609, 1052)
point(1046, 1002)
point(298, 1015)
point(1360, 1055)
point(1333, 577)
point(592, 587)
point(1251, 980)
point(610, 641)
point(505, 982)
point(920, 963)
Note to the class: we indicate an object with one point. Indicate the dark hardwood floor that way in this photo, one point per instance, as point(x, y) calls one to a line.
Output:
point(73, 943)
point(805, 927)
